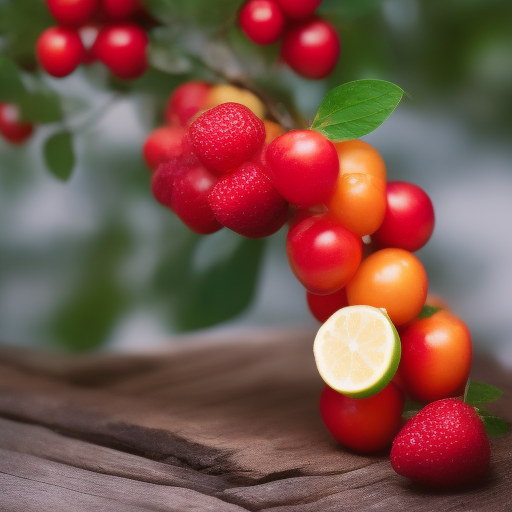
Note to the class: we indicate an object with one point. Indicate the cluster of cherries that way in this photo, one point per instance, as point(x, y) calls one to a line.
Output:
point(90, 30)
point(309, 45)
point(351, 238)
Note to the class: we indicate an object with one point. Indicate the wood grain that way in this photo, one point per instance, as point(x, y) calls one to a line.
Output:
point(227, 425)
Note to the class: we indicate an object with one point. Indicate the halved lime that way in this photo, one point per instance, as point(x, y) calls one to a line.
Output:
point(357, 351)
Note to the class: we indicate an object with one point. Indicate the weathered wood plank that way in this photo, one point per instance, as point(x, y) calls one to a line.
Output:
point(224, 426)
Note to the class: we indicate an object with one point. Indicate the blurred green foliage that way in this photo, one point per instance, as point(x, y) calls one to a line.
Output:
point(454, 54)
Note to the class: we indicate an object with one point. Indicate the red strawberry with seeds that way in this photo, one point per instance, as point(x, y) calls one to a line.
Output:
point(444, 445)
point(226, 136)
point(247, 202)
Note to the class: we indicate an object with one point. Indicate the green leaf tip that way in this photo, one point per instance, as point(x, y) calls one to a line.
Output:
point(355, 109)
point(427, 311)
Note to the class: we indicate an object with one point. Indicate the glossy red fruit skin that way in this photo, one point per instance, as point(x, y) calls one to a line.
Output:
point(323, 306)
point(298, 9)
point(163, 144)
point(311, 48)
point(72, 13)
point(186, 101)
point(304, 167)
point(409, 219)
point(445, 445)
point(322, 254)
point(436, 357)
point(122, 48)
point(262, 21)
point(247, 202)
point(120, 9)
point(364, 425)
point(183, 185)
point(59, 51)
point(12, 128)
point(226, 136)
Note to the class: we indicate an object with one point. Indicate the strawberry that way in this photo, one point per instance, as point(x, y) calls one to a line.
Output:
point(444, 445)
point(226, 136)
point(247, 202)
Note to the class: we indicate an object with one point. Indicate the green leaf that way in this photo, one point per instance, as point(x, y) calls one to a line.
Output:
point(212, 280)
point(11, 86)
point(354, 109)
point(41, 107)
point(494, 426)
point(427, 311)
point(59, 156)
point(480, 393)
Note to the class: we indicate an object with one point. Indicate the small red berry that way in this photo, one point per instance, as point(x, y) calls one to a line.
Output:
point(247, 202)
point(444, 445)
point(186, 101)
point(304, 167)
point(322, 254)
point(323, 306)
point(72, 13)
point(59, 51)
point(298, 9)
point(364, 425)
point(409, 218)
point(11, 127)
point(226, 136)
point(122, 48)
point(311, 48)
point(183, 185)
point(262, 21)
point(163, 144)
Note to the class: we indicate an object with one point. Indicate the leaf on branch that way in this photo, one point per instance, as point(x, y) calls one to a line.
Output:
point(41, 107)
point(59, 155)
point(11, 86)
point(354, 109)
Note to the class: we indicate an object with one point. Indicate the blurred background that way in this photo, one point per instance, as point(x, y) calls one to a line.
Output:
point(94, 263)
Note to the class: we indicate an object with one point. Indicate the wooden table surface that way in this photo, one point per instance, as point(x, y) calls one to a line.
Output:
point(229, 425)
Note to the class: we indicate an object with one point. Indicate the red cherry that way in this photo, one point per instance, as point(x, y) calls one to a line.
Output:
point(163, 144)
point(311, 48)
point(184, 185)
point(59, 51)
point(323, 306)
point(226, 136)
point(409, 218)
point(186, 101)
point(262, 21)
point(120, 9)
point(298, 9)
point(304, 167)
point(322, 253)
point(72, 13)
point(122, 48)
point(363, 424)
point(11, 127)
point(247, 202)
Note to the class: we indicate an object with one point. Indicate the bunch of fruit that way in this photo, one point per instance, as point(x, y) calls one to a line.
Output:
point(90, 30)
point(309, 45)
point(350, 242)
point(12, 128)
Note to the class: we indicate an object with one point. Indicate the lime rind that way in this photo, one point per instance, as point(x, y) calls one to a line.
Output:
point(339, 359)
